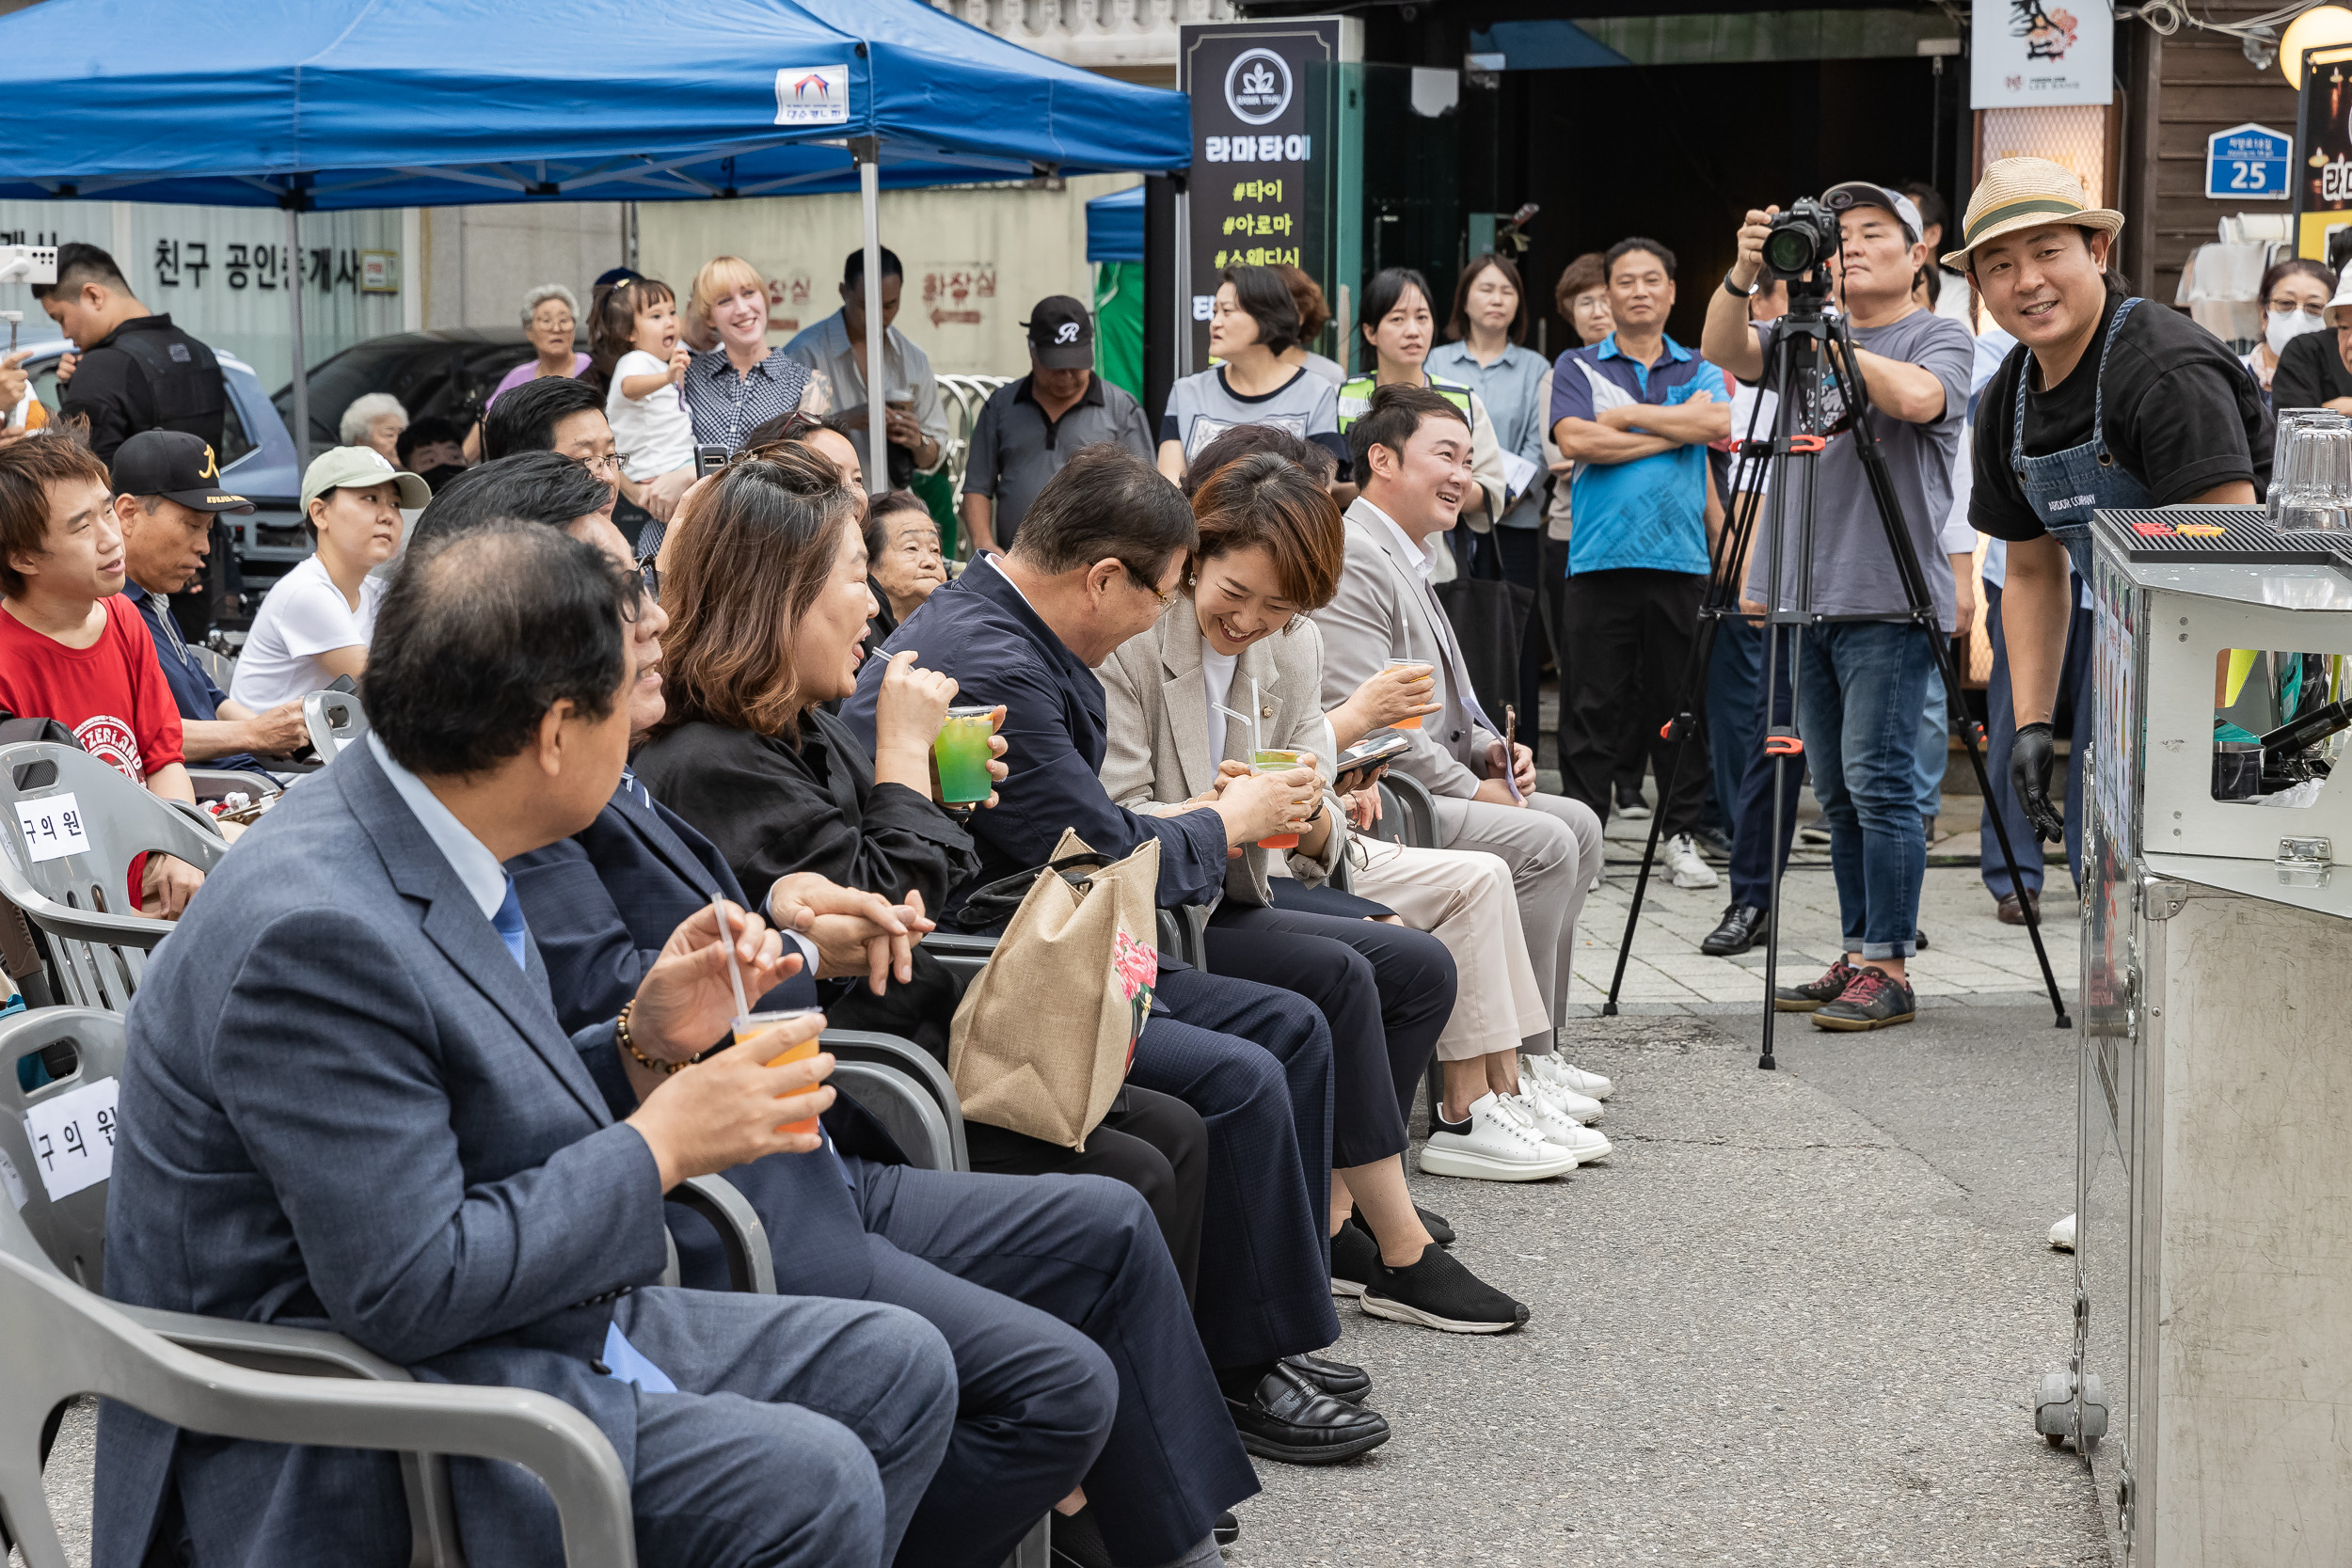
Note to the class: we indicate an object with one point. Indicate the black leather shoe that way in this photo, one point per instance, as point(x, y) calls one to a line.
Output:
point(1288, 1418)
point(1335, 1378)
point(1227, 1529)
point(1742, 927)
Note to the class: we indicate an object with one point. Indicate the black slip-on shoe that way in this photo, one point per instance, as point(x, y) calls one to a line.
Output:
point(1440, 1229)
point(1288, 1418)
point(1873, 999)
point(1335, 1378)
point(1439, 1292)
point(1078, 1540)
point(1819, 994)
point(1354, 1256)
point(1227, 1529)
point(1740, 929)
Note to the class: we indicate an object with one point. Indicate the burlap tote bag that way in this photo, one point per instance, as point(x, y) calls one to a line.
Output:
point(1043, 1038)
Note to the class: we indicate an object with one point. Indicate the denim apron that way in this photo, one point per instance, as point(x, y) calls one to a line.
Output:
point(2065, 487)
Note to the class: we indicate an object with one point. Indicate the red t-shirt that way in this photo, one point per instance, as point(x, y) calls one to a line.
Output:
point(112, 694)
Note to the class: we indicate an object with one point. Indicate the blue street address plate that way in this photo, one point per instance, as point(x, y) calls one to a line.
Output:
point(2248, 163)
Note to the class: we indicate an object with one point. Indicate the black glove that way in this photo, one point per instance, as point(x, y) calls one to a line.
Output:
point(2030, 756)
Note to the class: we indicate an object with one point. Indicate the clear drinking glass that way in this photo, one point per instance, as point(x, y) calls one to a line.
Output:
point(2311, 473)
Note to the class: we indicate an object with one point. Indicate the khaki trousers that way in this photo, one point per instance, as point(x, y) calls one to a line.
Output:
point(1554, 848)
point(1464, 899)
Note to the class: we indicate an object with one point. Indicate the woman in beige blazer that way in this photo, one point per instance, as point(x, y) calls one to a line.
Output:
point(1239, 640)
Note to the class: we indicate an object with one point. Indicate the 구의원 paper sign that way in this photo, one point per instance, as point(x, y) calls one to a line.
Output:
point(72, 1138)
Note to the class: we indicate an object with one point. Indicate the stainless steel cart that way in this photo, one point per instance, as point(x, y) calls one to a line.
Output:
point(2213, 1309)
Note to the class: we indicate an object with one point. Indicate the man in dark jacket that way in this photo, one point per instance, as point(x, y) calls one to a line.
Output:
point(1100, 554)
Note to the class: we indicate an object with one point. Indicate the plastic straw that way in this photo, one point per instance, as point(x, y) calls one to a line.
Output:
point(1257, 706)
point(734, 970)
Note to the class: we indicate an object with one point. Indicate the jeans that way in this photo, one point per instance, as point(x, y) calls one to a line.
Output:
point(1758, 847)
point(1860, 687)
point(1935, 745)
point(1735, 727)
point(2001, 733)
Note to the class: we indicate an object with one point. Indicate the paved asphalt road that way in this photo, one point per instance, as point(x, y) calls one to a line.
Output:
point(1793, 1321)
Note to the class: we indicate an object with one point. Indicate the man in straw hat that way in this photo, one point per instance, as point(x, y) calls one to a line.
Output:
point(2109, 401)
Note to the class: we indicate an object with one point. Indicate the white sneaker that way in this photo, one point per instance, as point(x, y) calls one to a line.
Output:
point(1503, 1145)
point(1682, 859)
point(1576, 1107)
point(1559, 1128)
point(2062, 1234)
point(1552, 1067)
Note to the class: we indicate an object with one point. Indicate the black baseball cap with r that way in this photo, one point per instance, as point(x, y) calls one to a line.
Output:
point(1061, 333)
point(176, 466)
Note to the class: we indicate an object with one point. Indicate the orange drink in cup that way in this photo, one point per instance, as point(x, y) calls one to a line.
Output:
point(753, 1024)
point(1412, 720)
point(1273, 760)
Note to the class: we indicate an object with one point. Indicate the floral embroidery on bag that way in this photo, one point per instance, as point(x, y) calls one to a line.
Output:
point(1136, 967)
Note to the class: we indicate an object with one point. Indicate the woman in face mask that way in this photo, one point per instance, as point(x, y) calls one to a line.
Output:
point(2294, 292)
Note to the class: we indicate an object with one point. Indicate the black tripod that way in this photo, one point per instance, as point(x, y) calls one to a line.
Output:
point(1808, 340)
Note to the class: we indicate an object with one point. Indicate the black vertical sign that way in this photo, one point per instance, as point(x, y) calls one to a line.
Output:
point(1259, 153)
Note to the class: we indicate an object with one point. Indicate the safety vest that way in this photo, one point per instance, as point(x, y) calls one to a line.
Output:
point(184, 379)
point(1356, 398)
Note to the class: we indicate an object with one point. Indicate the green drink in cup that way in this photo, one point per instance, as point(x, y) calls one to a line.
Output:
point(961, 754)
point(1272, 760)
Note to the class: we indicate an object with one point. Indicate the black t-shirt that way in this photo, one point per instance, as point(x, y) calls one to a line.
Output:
point(2311, 372)
point(2182, 413)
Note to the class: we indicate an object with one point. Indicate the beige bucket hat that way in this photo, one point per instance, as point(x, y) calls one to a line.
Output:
point(2026, 193)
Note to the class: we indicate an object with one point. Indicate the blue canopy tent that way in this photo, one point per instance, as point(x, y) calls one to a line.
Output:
point(1115, 226)
point(318, 104)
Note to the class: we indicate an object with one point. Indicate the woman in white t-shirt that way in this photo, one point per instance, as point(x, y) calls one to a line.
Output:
point(315, 623)
point(646, 405)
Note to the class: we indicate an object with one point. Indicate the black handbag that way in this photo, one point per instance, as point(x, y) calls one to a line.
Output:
point(1490, 618)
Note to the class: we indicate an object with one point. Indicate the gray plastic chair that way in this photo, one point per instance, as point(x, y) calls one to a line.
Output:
point(336, 720)
point(1408, 813)
point(65, 1241)
point(214, 782)
point(96, 955)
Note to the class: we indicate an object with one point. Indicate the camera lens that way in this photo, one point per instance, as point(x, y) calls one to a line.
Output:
point(1788, 250)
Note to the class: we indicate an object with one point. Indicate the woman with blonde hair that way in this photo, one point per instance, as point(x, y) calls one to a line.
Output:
point(740, 385)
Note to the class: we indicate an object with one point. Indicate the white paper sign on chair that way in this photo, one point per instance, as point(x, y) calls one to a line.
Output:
point(52, 827)
point(72, 1138)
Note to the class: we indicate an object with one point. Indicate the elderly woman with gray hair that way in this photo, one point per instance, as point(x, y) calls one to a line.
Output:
point(374, 420)
point(551, 319)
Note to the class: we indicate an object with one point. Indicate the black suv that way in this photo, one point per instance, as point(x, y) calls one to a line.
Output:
point(450, 371)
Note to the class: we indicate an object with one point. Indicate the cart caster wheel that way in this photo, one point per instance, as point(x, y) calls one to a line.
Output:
point(2090, 1443)
point(2056, 1439)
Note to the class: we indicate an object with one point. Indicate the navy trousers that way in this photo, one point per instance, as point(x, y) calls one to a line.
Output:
point(2001, 735)
point(1071, 1342)
point(1385, 990)
point(1757, 844)
point(1255, 1061)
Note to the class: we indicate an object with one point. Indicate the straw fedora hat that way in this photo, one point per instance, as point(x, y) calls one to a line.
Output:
point(2026, 193)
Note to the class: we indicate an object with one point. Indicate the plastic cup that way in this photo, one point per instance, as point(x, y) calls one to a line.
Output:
point(1272, 760)
point(753, 1024)
point(1412, 721)
point(963, 752)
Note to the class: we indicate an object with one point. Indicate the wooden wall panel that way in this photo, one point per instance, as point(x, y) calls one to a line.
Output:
point(2203, 82)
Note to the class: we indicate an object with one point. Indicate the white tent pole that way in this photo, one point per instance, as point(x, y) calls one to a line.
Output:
point(292, 280)
point(868, 150)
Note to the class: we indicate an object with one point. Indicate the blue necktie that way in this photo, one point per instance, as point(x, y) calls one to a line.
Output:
point(508, 922)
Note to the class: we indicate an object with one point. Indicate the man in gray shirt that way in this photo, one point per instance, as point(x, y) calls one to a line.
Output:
point(1863, 672)
point(1028, 430)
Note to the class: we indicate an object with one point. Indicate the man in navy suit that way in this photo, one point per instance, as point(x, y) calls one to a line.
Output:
point(1018, 1273)
point(349, 1105)
point(1101, 552)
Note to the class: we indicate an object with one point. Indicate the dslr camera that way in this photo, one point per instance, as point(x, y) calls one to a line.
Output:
point(1803, 238)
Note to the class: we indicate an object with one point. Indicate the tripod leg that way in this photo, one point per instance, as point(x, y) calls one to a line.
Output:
point(2000, 829)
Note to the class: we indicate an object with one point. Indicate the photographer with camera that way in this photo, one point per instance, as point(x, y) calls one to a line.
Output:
point(2107, 405)
point(1862, 669)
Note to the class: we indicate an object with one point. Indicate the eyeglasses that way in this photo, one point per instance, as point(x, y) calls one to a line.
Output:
point(1144, 582)
point(607, 465)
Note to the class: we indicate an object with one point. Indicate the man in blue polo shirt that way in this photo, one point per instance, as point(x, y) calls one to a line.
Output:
point(167, 490)
point(1634, 413)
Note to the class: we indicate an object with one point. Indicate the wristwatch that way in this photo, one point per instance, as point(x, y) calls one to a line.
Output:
point(1736, 292)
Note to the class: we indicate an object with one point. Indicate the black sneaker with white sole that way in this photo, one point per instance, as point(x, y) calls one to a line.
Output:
point(1354, 1258)
point(1439, 1292)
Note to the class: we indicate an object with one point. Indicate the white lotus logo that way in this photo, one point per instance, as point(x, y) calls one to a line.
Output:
point(1257, 85)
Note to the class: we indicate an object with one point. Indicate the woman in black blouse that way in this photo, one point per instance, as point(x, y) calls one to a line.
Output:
point(768, 602)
